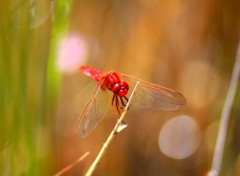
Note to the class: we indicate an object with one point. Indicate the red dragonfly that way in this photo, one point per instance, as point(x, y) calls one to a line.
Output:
point(113, 88)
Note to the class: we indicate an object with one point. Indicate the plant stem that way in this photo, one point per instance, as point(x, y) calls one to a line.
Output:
point(111, 136)
point(67, 168)
point(223, 127)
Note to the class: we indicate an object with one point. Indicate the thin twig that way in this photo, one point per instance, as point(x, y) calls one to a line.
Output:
point(111, 136)
point(223, 127)
point(67, 168)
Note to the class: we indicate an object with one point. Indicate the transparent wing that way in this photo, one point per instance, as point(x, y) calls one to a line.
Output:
point(94, 111)
point(150, 95)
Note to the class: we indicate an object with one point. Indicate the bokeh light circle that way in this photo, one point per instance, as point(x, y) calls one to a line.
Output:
point(200, 82)
point(72, 51)
point(210, 135)
point(179, 137)
point(38, 11)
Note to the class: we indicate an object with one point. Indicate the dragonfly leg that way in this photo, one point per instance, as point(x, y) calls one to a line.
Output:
point(125, 98)
point(122, 101)
point(113, 98)
point(117, 104)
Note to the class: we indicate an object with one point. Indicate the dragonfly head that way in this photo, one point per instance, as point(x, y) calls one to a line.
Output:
point(121, 88)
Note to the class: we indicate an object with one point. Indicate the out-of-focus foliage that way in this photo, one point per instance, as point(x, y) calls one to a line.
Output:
point(189, 46)
point(27, 131)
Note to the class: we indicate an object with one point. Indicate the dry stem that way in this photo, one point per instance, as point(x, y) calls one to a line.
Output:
point(221, 138)
point(67, 168)
point(111, 136)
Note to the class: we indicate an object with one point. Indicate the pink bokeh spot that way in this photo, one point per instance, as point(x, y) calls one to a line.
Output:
point(71, 52)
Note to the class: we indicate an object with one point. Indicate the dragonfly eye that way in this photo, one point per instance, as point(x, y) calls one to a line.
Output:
point(122, 92)
point(124, 85)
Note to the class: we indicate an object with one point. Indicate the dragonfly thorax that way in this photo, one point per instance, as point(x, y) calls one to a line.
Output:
point(112, 78)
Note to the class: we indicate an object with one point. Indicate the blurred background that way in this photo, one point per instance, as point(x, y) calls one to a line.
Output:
point(188, 46)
